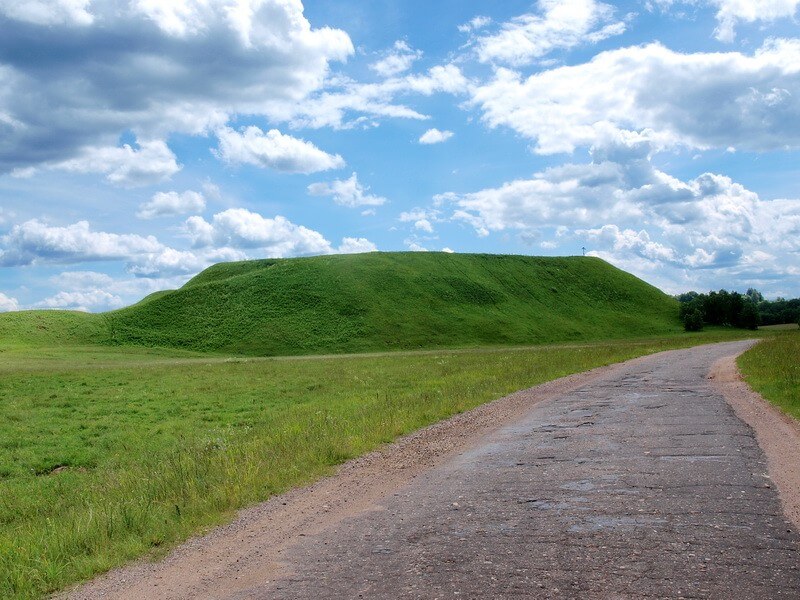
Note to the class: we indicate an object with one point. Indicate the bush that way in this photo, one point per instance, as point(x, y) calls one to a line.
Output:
point(693, 320)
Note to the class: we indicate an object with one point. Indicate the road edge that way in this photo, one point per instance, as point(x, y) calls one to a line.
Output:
point(777, 433)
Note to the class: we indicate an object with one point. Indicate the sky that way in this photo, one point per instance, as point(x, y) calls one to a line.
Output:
point(142, 141)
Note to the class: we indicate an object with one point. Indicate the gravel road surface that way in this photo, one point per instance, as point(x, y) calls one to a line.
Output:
point(634, 481)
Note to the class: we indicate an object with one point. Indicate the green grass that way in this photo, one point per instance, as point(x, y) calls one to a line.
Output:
point(395, 301)
point(102, 464)
point(772, 368)
point(51, 328)
point(123, 433)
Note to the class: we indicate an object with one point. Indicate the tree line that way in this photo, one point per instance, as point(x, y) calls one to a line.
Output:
point(732, 309)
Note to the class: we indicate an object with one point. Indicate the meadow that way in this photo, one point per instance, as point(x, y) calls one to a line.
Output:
point(772, 368)
point(107, 454)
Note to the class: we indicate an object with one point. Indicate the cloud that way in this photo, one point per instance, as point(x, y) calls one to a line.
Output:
point(474, 24)
point(421, 218)
point(166, 204)
point(396, 61)
point(34, 242)
point(732, 12)
point(93, 291)
point(171, 262)
point(152, 162)
point(232, 235)
point(628, 211)
point(423, 225)
point(240, 228)
point(434, 136)
point(274, 150)
point(356, 246)
point(348, 192)
point(84, 301)
point(414, 246)
point(48, 12)
point(346, 103)
point(8, 304)
point(562, 24)
point(146, 68)
point(700, 100)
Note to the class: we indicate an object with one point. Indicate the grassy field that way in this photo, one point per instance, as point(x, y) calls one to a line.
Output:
point(123, 433)
point(371, 302)
point(772, 368)
point(108, 454)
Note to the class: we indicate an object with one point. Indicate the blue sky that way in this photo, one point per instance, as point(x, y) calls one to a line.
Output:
point(141, 141)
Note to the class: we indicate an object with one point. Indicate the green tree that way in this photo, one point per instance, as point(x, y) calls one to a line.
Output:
point(748, 317)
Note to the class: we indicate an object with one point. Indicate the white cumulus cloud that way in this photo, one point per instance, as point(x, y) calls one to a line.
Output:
point(48, 12)
point(165, 204)
point(474, 24)
point(435, 136)
point(152, 162)
point(8, 304)
point(355, 246)
point(35, 241)
point(699, 100)
point(259, 236)
point(241, 228)
point(398, 60)
point(732, 12)
point(347, 192)
point(561, 24)
point(274, 150)
point(83, 301)
point(626, 210)
point(151, 68)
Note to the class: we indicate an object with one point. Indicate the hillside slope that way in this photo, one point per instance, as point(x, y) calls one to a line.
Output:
point(52, 328)
point(380, 301)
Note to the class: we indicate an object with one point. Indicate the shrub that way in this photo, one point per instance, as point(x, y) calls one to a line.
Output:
point(693, 320)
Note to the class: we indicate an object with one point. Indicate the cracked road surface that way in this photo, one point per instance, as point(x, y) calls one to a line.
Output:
point(644, 484)
point(641, 483)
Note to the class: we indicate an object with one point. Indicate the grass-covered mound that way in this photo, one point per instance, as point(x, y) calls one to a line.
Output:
point(52, 328)
point(380, 301)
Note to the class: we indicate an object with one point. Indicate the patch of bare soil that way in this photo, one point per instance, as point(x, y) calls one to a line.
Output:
point(777, 433)
point(249, 550)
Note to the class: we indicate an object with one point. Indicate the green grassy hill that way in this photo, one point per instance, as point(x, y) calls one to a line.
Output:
point(370, 302)
point(380, 301)
point(51, 328)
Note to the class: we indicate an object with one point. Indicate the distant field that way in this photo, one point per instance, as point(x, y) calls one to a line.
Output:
point(107, 454)
point(772, 368)
point(784, 327)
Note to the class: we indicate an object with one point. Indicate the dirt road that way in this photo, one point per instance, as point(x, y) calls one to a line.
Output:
point(633, 481)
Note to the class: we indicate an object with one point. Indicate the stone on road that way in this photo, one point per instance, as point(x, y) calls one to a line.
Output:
point(642, 484)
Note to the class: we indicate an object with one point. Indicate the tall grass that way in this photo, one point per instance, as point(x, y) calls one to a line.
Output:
point(772, 368)
point(100, 466)
point(109, 453)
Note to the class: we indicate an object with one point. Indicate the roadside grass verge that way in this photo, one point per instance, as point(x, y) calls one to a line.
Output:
point(772, 368)
point(99, 466)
